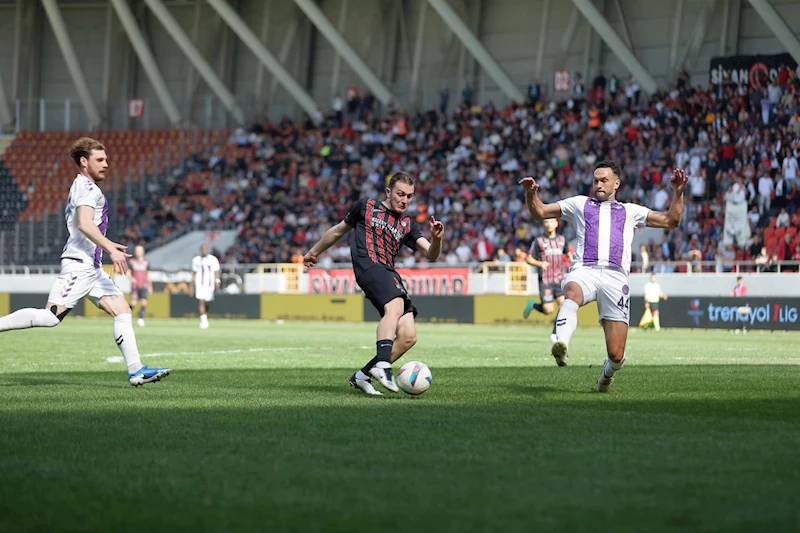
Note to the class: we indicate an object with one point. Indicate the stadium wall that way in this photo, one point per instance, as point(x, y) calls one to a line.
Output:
point(705, 312)
point(490, 310)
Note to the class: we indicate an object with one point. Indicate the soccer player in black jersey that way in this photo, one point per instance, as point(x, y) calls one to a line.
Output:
point(547, 253)
point(381, 229)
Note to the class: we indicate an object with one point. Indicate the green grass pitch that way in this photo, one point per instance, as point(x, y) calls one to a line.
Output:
point(257, 430)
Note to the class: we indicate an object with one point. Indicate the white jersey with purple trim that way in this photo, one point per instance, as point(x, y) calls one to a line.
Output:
point(604, 231)
point(205, 269)
point(79, 248)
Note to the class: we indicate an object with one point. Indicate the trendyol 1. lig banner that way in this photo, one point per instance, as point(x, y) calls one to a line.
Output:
point(749, 70)
point(433, 281)
point(725, 312)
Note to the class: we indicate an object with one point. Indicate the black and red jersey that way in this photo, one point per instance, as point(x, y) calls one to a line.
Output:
point(551, 251)
point(378, 235)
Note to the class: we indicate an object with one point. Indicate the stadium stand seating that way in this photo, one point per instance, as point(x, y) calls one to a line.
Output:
point(282, 184)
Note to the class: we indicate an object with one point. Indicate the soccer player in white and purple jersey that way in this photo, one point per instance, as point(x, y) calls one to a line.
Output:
point(602, 260)
point(81, 264)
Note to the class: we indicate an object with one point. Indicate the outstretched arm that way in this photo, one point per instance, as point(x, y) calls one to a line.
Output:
point(331, 237)
point(538, 209)
point(432, 248)
point(672, 218)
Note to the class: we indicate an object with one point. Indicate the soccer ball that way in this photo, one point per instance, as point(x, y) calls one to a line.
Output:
point(414, 378)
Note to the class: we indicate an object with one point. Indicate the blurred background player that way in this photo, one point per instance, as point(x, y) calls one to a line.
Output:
point(739, 290)
point(205, 280)
point(601, 267)
point(381, 229)
point(81, 264)
point(652, 296)
point(547, 254)
point(141, 286)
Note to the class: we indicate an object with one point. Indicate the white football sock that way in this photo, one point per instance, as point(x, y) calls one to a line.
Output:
point(567, 321)
point(383, 364)
point(611, 367)
point(28, 318)
point(361, 375)
point(126, 341)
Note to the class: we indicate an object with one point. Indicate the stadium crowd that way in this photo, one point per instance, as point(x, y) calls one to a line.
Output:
point(282, 184)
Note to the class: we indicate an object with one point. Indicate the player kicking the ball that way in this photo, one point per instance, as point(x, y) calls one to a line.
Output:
point(81, 271)
point(602, 259)
point(381, 228)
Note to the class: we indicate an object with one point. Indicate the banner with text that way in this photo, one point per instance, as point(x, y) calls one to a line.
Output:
point(749, 70)
point(431, 281)
point(725, 312)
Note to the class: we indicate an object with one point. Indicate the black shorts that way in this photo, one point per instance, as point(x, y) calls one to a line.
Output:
point(550, 291)
point(653, 306)
point(140, 294)
point(381, 286)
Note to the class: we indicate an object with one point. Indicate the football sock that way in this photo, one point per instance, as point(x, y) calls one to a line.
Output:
point(28, 318)
point(538, 307)
point(611, 367)
point(362, 375)
point(372, 362)
point(142, 311)
point(384, 353)
point(383, 359)
point(657, 322)
point(567, 321)
point(204, 318)
point(126, 341)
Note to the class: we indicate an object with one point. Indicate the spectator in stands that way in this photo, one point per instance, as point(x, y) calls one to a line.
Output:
point(483, 249)
point(783, 219)
point(754, 217)
point(789, 166)
point(739, 290)
point(766, 190)
point(756, 245)
point(762, 260)
point(697, 185)
point(785, 250)
point(783, 191)
point(444, 100)
point(644, 257)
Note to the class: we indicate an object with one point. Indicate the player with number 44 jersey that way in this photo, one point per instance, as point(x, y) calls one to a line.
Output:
point(602, 260)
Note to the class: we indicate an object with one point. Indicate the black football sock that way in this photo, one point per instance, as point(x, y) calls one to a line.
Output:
point(538, 307)
point(384, 353)
point(369, 365)
point(141, 311)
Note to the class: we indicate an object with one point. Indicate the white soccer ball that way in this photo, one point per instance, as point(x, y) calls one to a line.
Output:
point(414, 378)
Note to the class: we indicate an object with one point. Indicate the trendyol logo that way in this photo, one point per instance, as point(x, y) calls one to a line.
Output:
point(761, 314)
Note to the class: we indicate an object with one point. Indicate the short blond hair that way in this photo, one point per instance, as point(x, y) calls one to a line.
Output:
point(83, 147)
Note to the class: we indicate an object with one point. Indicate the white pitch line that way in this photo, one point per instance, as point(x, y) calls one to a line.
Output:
point(119, 358)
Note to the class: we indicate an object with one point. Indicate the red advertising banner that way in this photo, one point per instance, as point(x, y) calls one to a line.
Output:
point(429, 281)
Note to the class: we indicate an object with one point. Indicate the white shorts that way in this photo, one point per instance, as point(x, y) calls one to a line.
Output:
point(77, 280)
point(607, 286)
point(204, 293)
